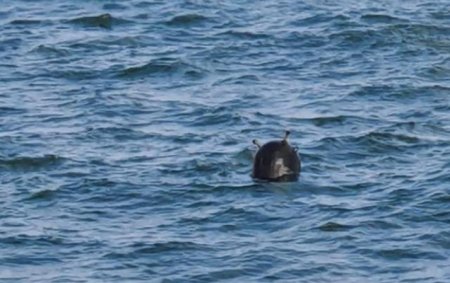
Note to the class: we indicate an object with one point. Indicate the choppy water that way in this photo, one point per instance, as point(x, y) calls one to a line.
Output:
point(126, 128)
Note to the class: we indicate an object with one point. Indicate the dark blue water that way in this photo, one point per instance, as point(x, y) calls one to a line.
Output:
point(126, 129)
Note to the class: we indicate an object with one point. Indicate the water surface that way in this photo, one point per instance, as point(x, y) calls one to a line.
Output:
point(126, 128)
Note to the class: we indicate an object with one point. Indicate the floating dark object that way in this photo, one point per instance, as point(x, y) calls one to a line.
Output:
point(276, 161)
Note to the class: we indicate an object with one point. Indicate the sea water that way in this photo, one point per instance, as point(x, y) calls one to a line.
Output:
point(126, 129)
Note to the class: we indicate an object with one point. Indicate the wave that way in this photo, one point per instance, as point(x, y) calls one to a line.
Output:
point(369, 144)
point(141, 248)
point(217, 116)
point(238, 80)
point(114, 6)
point(30, 163)
point(26, 22)
point(319, 19)
point(398, 34)
point(11, 111)
point(333, 120)
point(50, 51)
point(29, 240)
point(115, 133)
point(380, 18)
point(187, 20)
point(106, 21)
point(43, 195)
point(243, 34)
point(388, 138)
point(334, 227)
point(163, 66)
point(401, 253)
point(73, 73)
